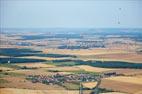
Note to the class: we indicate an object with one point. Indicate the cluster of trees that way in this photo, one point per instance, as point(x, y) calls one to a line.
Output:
point(20, 60)
point(104, 64)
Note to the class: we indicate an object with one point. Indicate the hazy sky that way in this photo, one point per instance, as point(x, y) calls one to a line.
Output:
point(71, 13)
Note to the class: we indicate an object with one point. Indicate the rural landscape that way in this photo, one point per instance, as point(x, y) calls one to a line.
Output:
point(70, 46)
point(71, 61)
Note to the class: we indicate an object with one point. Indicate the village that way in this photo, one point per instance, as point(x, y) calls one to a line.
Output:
point(60, 78)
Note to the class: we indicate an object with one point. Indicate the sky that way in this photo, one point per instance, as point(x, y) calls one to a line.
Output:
point(70, 13)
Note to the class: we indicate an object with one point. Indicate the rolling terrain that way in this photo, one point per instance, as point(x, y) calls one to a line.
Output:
point(65, 63)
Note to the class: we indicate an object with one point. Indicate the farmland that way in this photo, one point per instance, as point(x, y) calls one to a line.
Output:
point(66, 63)
point(128, 86)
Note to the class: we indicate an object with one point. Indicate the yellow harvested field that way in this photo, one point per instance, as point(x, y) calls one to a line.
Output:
point(128, 72)
point(6, 69)
point(89, 84)
point(32, 72)
point(22, 83)
point(114, 93)
point(96, 51)
point(42, 71)
point(35, 65)
point(44, 58)
point(28, 91)
point(128, 57)
point(94, 69)
point(133, 80)
point(37, 57)
point(130, 85)
point(66, 69)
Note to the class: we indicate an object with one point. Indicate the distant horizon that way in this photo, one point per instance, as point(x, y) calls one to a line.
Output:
point(72, 28)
